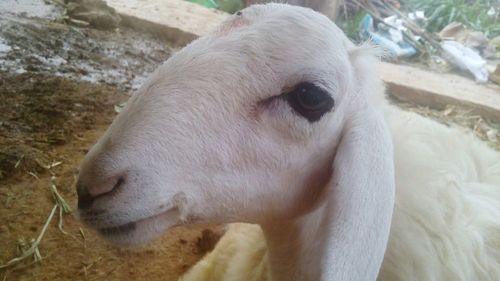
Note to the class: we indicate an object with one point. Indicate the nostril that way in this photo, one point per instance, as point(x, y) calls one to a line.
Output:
point(119, 182)
point(85, 198)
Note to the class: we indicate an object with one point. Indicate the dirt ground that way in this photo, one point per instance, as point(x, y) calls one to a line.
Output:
point(59, 88)
point(47, 120)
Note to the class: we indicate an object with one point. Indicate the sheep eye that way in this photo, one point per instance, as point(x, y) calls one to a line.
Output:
point(309, 101)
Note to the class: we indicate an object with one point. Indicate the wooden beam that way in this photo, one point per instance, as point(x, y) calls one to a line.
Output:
point(178, 21)
point(181, 22)
point(436, 90)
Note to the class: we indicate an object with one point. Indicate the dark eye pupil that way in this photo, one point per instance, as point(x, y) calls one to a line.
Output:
point(310, 101)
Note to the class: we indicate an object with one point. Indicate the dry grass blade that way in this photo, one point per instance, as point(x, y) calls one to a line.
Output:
point(52, 165)
point(18, 162)
point(33, 251)
point(64, 207)
point(33, 175)
point(89, 265)
point(84, 239)
point(457, 116)
point(58, 198)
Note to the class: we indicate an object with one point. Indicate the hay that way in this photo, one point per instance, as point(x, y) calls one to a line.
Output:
point(31, 248)
point(64, 207)
point(486, 130)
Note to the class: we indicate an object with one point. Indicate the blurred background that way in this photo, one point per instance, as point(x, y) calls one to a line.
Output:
point(68, 66)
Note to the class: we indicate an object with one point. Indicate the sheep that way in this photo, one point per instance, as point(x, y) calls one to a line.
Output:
point(277, 123)
point(445, 225)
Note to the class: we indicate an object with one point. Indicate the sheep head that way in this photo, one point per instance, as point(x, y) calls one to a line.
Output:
point(240, 125)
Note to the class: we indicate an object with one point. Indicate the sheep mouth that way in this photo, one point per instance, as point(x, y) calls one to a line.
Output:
point(139, 231)
point(118, 230)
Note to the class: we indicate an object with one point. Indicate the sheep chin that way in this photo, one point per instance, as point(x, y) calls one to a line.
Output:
point(141, 232)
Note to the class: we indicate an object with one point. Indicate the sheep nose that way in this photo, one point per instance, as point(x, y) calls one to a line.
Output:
point(87, 194)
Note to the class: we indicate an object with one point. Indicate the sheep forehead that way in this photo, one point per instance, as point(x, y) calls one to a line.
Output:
point(267, 48)
point(274, 15)
point(231, 73)
point(282, 30)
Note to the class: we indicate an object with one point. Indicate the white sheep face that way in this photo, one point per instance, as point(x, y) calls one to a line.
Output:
point(211, 138)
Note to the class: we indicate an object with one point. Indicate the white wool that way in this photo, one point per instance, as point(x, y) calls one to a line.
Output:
point(446, 223)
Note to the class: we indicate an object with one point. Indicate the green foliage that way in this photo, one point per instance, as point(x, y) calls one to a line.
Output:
point(350, 24)
point(206, 3)
point(472, 13)
point(230, 6)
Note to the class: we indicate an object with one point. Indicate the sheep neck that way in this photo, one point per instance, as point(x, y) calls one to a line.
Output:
point(322, 246)
point(294, 247)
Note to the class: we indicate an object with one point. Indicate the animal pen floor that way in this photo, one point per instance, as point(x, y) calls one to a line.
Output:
point(26, 199)
point(51, 113)
point(59, 87)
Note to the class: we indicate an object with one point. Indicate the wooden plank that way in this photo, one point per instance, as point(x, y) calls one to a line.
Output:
point(178, 21)
point(181, 22)
point(436, 90)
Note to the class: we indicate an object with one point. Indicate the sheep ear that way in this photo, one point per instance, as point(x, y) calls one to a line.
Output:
point(365, 60)
point(360, 195)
